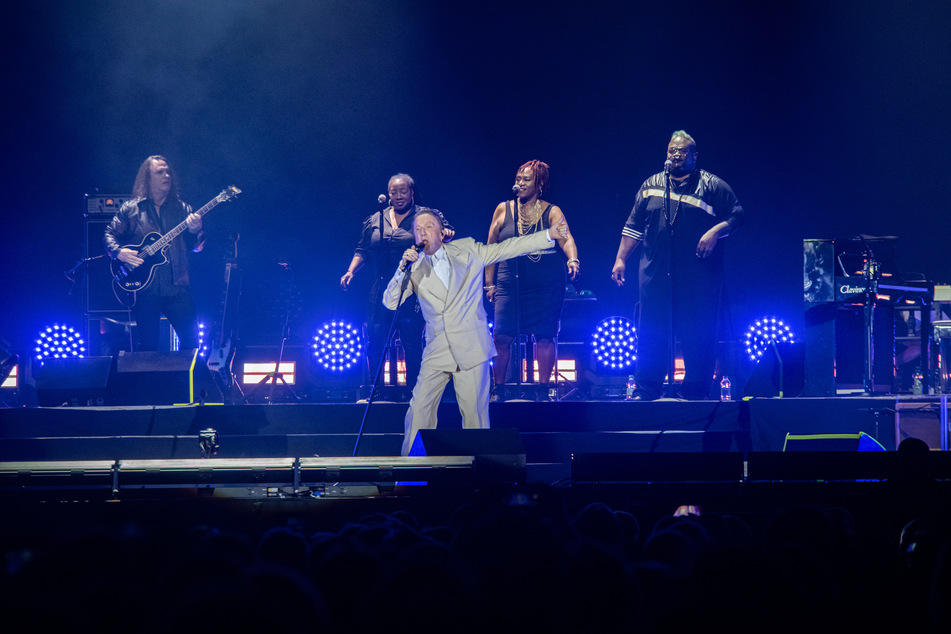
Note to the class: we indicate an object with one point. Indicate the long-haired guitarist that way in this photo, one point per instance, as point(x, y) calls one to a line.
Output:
point(156, 207)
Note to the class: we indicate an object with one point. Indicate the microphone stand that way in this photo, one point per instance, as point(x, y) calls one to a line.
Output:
point(870, 273)
point(518, 311)
point(779, 362)
point(70, 274)
point(379, 367)
point(670, 285)
point(73, 280)
point(271, 379)
point(385, 244)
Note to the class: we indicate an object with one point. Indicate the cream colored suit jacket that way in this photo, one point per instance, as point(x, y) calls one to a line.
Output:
point(457, 331)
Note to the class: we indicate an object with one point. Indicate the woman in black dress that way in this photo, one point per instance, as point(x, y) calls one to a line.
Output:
point(539, 290)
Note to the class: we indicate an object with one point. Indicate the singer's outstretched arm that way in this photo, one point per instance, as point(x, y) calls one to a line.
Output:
point(498, 218)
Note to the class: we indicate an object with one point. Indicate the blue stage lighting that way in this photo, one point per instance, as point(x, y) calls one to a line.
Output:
point(338, 346)
point(614, 343)
point(202, 340)
point(58, 342)
point(762, 332)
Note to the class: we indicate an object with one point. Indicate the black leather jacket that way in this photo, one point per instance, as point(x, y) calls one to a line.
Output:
point(137, 218)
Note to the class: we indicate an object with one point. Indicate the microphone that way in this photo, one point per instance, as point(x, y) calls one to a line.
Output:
point(667, 165)
point(381, 199)
point(404, 265)
point(516, 189)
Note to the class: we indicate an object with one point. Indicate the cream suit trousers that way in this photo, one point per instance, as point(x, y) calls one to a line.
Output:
point(472, 395)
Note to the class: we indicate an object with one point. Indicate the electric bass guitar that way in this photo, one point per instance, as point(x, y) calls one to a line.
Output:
point(223, 341)
point(153, 249)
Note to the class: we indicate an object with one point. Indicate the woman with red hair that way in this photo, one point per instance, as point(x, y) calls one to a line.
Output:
point(528, 291)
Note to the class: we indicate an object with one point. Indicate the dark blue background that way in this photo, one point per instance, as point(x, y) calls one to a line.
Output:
point(828, 118)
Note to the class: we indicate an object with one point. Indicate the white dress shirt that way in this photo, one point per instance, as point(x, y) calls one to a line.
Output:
point(440, 263)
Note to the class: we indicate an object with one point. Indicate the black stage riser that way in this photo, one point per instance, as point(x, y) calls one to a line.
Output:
point(383, 418)
point(541, 447)
point(740, 470)
point(550, 432)
point(187, 447)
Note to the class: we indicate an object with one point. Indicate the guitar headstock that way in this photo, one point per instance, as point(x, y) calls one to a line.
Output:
point(228, 193)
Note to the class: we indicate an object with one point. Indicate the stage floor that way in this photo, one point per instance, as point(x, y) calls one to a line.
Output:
point(549, 432)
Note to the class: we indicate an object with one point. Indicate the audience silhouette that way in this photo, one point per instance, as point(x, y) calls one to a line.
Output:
point(556, 564)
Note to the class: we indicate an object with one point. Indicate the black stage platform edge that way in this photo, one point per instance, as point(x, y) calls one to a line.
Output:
point(187, 446)
point(759, 424)
point(756, 467)
point(330, 418)
point(463, 471)
point(550, 432)
point(292, 475)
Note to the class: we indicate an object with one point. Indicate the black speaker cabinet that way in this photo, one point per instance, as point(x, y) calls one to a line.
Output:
point(499, 454)
point(74, 382)
point(99, 295)
point(163, 378)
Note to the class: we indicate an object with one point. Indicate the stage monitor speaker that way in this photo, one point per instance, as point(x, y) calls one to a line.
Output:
point(499, 454)
point(824, 465)
point(831, 442)
point(589, 468)
point(75, 382)
point(163, 378)
point(765, 381)
point(922, 419)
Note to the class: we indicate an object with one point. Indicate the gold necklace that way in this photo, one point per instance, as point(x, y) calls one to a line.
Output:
point(526, 222)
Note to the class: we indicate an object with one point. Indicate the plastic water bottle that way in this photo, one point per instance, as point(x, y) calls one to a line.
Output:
point(631, 386)
point(725, 386)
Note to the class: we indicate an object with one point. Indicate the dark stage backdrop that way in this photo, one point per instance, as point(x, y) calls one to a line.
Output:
point(828, 118)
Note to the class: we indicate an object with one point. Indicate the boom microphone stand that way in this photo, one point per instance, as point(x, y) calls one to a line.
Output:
point(379, 367)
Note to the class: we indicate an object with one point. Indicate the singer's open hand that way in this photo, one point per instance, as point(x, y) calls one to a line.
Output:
point(617, 273)
point(574, 269)
point(346, 279)
point(559, 231)
point(708, 242)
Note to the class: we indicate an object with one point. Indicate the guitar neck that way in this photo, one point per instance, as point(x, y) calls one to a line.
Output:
point(162, 242)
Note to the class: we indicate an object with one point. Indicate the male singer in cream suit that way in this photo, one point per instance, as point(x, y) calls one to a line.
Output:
point(448, 282)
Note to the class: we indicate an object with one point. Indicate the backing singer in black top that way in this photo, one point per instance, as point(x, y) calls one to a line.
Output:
point(385, 252)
